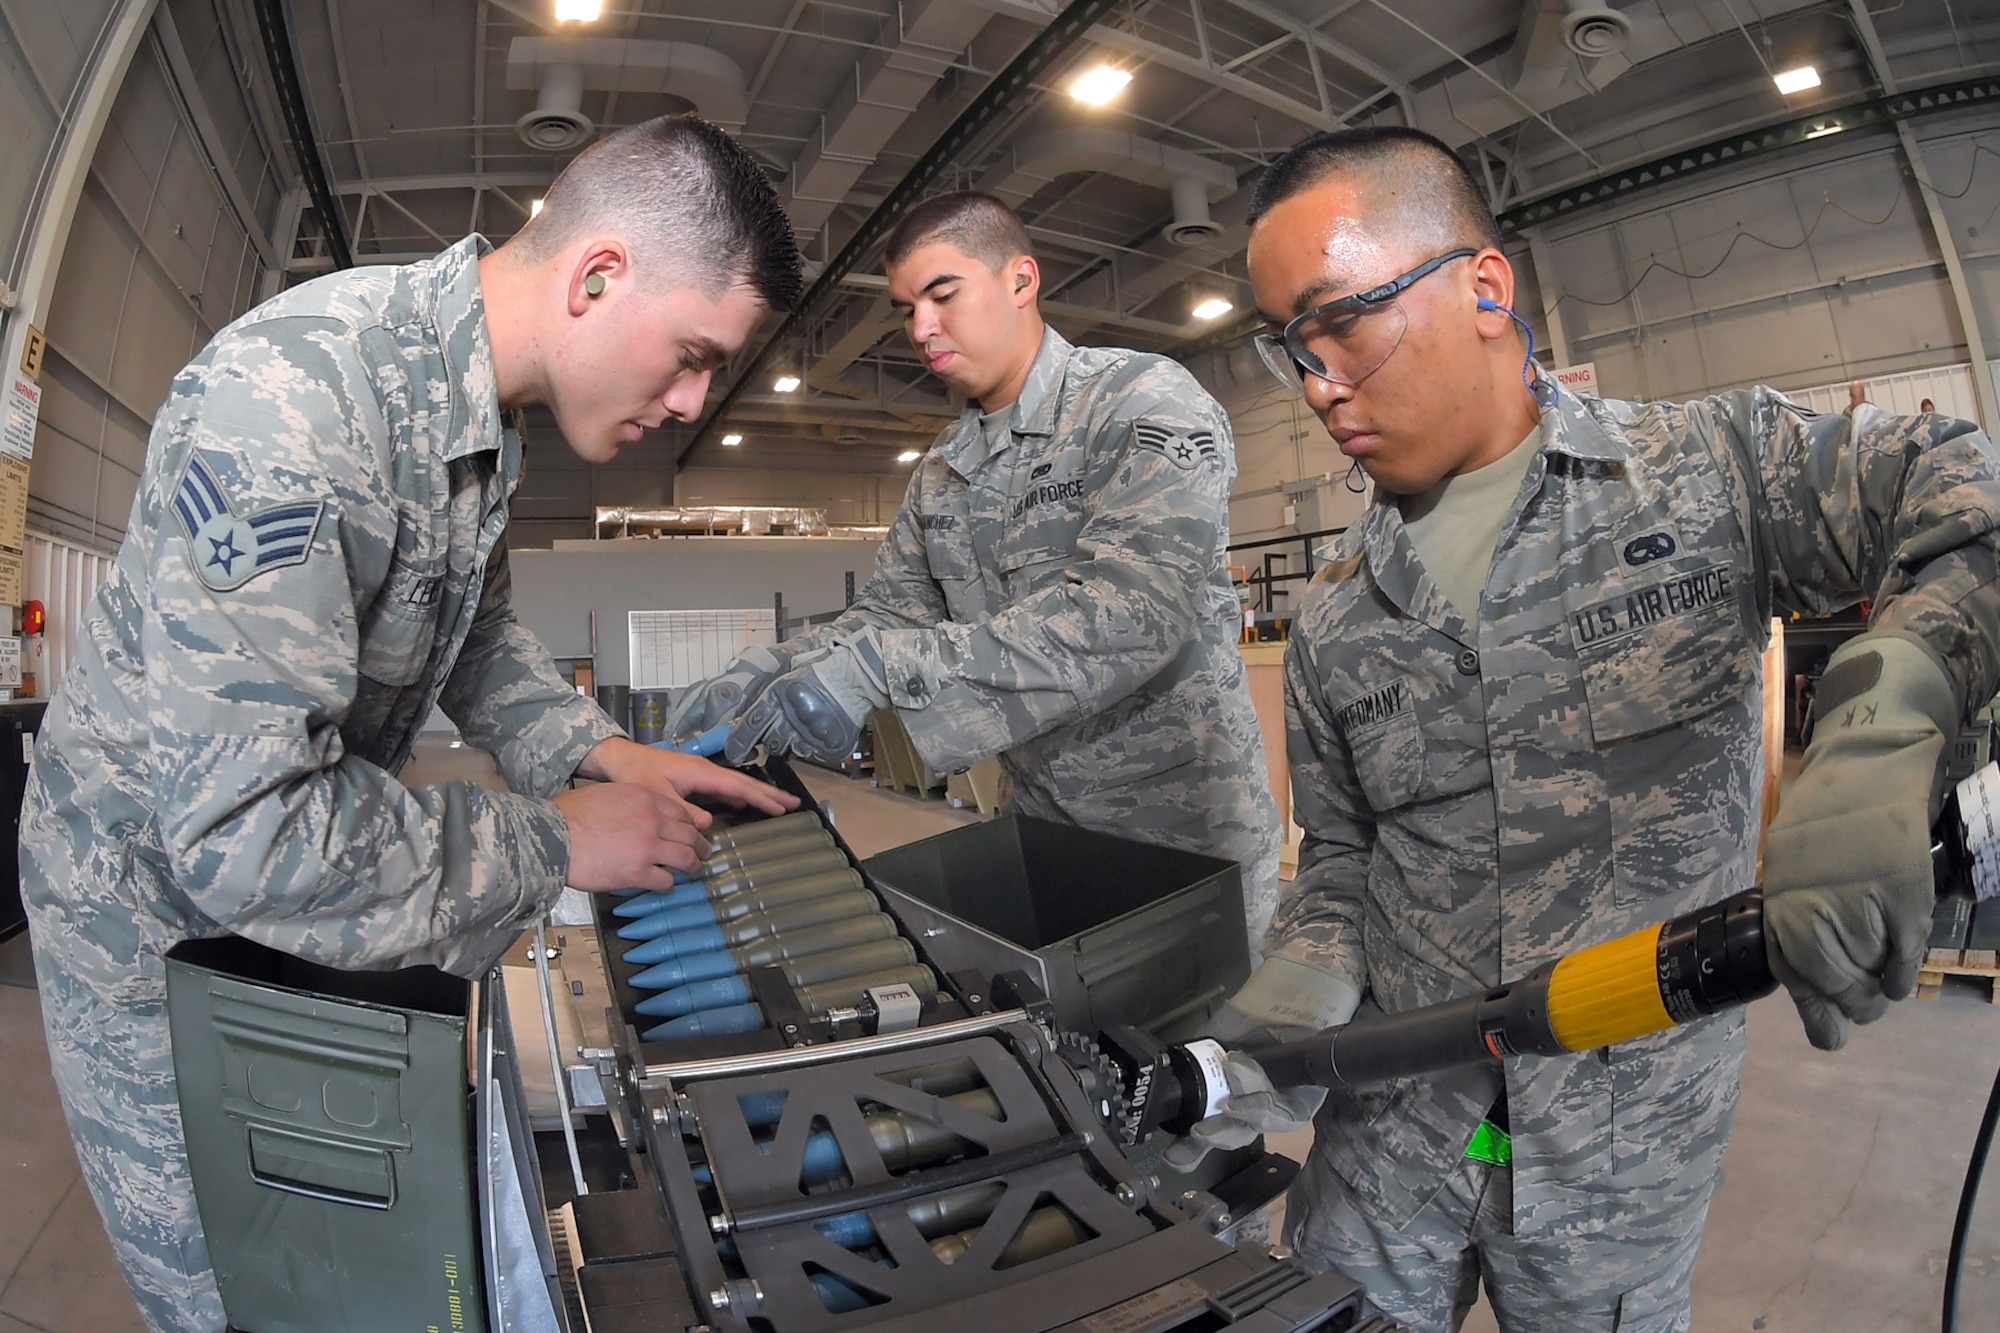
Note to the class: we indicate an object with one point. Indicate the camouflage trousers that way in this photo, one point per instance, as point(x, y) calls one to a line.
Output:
point(114, 1070)
point(1634, 1275)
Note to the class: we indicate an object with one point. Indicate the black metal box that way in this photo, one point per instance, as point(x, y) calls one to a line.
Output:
point(1113, 930)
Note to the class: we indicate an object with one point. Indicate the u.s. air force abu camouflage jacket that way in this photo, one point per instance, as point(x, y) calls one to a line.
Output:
point(1586, 759)
point(315, 555)
point(1063, 601)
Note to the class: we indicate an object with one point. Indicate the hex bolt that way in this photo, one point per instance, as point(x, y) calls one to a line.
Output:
point(1126, 1194)
point(719, 1298)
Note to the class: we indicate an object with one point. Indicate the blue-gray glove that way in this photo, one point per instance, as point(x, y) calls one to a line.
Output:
point(1252, 1107)
point(1848, 888)
point(817, 709)
point(722, 698)
point(1284, 1000)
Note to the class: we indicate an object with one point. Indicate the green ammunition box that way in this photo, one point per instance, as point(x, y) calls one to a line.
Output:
point(326, 1116)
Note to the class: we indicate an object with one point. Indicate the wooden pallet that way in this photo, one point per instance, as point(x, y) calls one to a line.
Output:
point(1980, 964)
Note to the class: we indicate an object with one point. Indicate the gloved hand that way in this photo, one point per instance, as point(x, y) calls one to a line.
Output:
point(1848, 889)
point(722, 698)
point(817, 709)
point(1252, 1107)
point(1284, 1000)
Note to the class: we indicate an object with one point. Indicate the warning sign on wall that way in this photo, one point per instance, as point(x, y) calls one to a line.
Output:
point(24, 407)
point(13, 502)
point(1578, 379)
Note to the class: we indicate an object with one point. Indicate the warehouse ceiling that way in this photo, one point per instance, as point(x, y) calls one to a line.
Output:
point(435, 117)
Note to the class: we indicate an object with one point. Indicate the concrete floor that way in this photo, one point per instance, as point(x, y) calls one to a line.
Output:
point(1834, 1217)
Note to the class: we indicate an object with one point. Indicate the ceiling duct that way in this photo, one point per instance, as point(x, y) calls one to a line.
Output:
point(557, 124)
point(1592, 29)
point(561, 69)
point(1191, 225)
point(1039, 161)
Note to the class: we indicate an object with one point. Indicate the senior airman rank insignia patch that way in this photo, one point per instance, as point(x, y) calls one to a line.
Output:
point(229, 549)
point(1181, 448)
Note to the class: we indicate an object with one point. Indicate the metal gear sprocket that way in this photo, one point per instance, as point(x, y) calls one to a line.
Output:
point(1103, 1086)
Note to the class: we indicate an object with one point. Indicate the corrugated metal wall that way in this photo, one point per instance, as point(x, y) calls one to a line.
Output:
point(63, 577)
point(1948, 387)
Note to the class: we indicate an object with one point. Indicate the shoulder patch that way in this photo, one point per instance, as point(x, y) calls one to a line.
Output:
point(228, 548)
point(1182, 448)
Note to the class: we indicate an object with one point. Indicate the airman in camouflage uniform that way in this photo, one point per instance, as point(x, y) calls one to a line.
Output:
point(1061, 598)
point(1584, 761)
point(315, 557)
point(1573, 756)
point(1055, 588)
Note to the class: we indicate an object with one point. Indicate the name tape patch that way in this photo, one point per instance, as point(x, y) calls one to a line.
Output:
point(1373, 708)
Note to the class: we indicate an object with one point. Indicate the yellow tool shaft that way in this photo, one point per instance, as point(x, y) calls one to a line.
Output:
point(1608, 993)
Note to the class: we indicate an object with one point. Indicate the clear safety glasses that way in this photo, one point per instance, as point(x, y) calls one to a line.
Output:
point(1347, 340)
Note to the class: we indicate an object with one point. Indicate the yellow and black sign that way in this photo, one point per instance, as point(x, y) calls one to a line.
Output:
point(31, 353)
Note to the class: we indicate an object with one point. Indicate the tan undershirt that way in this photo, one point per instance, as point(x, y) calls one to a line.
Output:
point(1455, 525)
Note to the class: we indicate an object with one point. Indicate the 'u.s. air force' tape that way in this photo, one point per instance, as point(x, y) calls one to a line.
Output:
point(1979, 811)
point(228, 549)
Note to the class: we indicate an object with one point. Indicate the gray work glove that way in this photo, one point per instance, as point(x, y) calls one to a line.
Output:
point(722, 698)
point(1252, 1107)
point(817, 709)
point(1284, 1000)
point(1848, 889)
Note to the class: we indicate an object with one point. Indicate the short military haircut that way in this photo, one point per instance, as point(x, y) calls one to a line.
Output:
point(694, 207)
point(969, 221)
point(1411, 182)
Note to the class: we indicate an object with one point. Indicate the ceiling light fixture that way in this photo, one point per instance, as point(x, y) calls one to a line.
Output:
point(909, 455)
point(786, 383)
point(1100, 85)
point(1796, 80)
point(731, 440)
point(582, 11)
point(535, 209)
point(1213, 308)
point(1821, 131)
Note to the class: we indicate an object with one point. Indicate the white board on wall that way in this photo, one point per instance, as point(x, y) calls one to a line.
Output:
point(671, 649)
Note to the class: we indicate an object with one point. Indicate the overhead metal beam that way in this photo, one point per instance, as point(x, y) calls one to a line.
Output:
point(1034, 60)
point(1317, 40)
point(1623, 182)
point(1249, 89)
point(1502, 88)
point(298, 124)
point(464, 180)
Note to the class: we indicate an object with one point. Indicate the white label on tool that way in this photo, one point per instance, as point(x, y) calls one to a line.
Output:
point(1979, 811)
point(1213, 1062)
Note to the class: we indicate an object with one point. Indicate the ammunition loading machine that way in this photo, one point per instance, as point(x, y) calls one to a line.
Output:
point(966, 1163)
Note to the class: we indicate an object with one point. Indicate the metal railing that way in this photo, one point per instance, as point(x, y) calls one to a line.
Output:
point(1267, 579)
